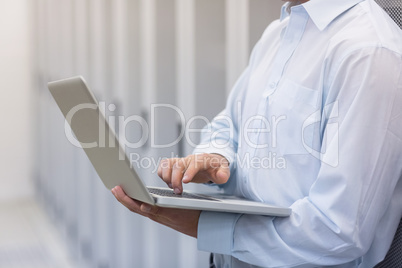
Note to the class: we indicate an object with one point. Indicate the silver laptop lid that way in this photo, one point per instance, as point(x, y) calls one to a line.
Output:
point(81, 110)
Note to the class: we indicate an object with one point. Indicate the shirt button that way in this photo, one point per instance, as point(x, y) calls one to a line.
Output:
point(272, 85)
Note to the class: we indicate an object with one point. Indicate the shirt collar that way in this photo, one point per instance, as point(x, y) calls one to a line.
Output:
point(323, 12)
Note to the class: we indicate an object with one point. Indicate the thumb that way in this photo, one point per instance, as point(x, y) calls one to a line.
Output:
point(222, 175)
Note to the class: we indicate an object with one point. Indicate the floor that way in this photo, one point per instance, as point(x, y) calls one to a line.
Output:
point(29, 239)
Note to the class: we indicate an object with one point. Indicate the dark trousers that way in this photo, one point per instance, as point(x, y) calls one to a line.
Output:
point(211, 261)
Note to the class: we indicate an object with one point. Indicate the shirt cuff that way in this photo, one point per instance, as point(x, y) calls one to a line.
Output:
point(215, 232)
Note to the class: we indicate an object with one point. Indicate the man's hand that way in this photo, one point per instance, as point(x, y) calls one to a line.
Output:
point(182, 220)
point(199, 168)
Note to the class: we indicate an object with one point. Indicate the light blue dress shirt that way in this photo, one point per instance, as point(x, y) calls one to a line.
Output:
point(313, 123)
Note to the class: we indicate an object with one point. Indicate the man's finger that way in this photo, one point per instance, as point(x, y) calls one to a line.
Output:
point(191, 170)
point(222, 175)
point(167, 171)
point(159, 172)
point(220, 169)
point(128, 202)
point(177, 175)
point(147, 208)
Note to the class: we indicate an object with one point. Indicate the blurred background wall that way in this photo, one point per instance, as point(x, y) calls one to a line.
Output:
point(16, 135)
point(132, 53)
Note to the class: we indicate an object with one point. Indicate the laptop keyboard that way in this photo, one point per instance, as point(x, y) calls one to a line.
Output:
point(170, 193)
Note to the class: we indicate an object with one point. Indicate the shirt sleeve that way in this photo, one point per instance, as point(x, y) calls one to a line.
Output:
point(336, 222)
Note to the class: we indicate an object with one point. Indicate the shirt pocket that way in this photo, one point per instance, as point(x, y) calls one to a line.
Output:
point(294, 107)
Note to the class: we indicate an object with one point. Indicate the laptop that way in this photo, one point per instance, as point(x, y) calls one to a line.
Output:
point(92, 132)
